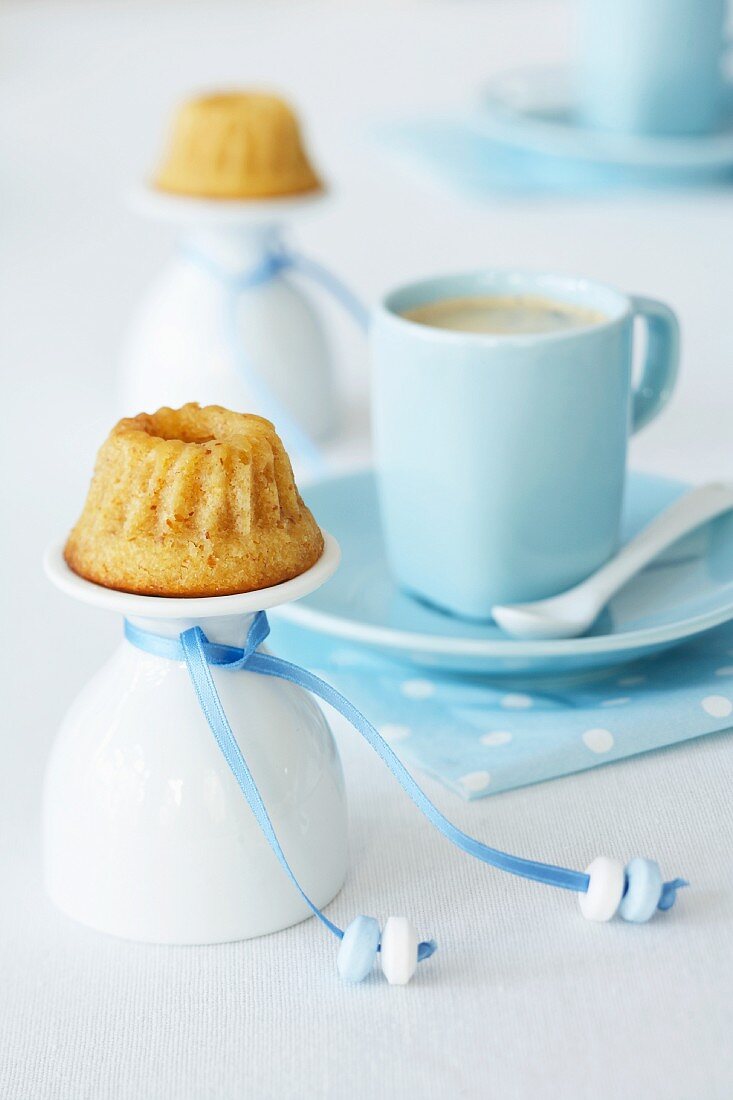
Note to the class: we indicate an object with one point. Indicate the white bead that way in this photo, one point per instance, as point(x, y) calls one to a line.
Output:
point(605, 889)
point(399, 950)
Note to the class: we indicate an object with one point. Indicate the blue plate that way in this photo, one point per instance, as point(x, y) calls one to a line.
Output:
point(688, 590)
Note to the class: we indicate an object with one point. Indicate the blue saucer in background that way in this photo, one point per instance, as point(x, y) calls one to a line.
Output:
point(534, 109)
point(525, 138)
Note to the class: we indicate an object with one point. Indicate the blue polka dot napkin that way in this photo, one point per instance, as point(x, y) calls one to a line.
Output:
point(479, 737)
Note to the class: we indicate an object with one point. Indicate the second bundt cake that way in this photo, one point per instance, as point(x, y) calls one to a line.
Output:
point(236, 145)
point(193, 502)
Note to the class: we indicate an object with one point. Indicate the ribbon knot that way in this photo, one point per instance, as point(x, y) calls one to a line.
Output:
point(275, 261)
point(227, 656)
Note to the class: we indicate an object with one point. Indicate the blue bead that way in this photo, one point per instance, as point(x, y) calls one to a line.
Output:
point(643, 890)
point(358, 949)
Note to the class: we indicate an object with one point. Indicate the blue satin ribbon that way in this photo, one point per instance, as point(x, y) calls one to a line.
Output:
point(194, 649)
point(276, 259)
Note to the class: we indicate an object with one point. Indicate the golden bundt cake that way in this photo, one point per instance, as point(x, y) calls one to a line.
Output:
point(193, 502)
point(236, 145)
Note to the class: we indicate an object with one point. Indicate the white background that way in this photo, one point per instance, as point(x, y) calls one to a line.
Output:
point(524, 999)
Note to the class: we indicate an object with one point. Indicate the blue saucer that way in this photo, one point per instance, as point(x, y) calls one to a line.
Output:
point(688, 590)
point(533, 109)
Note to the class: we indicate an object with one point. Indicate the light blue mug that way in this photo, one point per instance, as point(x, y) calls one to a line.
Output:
point(652, 66)
point(501, 458)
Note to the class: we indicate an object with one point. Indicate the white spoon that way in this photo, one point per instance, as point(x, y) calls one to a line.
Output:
point(573, 612)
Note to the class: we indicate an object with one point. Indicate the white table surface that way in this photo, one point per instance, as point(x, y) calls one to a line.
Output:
point(524, 999)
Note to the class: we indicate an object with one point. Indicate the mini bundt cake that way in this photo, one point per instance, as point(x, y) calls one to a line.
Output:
point(193, 502)
point(236, 145)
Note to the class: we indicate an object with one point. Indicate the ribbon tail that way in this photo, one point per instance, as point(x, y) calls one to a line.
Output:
point(546, 873)
point(210, 703)
point(193, 643)
point(331, 283)
point(669, 893)
point(516, 865)
point(297, 441)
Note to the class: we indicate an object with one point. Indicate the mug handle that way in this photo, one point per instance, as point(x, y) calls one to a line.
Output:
point(662, 360)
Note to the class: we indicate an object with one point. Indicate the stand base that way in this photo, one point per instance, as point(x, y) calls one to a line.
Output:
point(246, 930)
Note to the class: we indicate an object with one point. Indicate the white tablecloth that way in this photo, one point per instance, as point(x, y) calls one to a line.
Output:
point(524, 998)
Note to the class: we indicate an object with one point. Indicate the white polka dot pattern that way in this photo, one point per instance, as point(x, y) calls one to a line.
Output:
point(598, 740)
point(482, 736)
point(475, 781)
point(418, 689)
point(717, 706)
point(497, 737)
point(516, 702)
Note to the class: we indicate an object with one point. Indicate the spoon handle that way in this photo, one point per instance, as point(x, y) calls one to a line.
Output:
point(690, 511)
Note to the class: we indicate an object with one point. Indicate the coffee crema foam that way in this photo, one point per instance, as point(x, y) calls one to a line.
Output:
point(518, 314)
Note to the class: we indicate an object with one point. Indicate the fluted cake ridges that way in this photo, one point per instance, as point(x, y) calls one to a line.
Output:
point(193, 502)
point(236, 145)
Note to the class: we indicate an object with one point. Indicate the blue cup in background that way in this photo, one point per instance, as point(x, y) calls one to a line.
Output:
point(501, 458)
point(652, 66)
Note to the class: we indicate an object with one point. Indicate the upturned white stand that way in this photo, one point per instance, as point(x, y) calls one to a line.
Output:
point(146, 833)
point(183, 345)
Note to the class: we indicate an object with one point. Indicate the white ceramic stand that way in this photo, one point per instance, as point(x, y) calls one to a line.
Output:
point(179, 346)
point(146, 833)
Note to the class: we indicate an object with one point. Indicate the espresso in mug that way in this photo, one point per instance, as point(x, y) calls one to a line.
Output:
point(523, 314)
